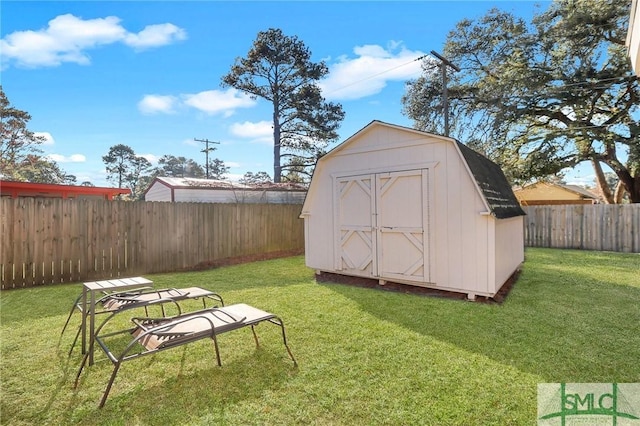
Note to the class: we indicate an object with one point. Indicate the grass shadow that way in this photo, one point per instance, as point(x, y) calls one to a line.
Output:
point(562, 326)
point(186, 392)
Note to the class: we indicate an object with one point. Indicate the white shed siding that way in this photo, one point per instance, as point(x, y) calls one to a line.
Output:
point(319, 225)
point(461, 227)
point(458, 233)
point(158, 192)
point(509, 249)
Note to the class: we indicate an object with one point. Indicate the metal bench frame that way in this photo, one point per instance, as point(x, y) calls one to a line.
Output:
point(219, 320)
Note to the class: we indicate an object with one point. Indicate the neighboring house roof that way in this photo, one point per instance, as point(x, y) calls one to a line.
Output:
point(16, 189)
point(211, 184)
point(491, 183)
point(579, 190)
point(191, 183)
point(574, 190)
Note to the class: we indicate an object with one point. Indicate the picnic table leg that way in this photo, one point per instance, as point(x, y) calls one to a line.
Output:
point(83, 324)
point(92, 325)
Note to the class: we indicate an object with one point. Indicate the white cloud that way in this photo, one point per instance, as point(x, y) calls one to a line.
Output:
point(248, 129)
point(152, 104)
point(47, 138)
point(75, 158)
point(67, 39)
point(154, 36)
point(369, 72)
point(211, 102)
point(218, 102)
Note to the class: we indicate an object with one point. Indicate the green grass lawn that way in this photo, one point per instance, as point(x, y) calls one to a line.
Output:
point(365, 356)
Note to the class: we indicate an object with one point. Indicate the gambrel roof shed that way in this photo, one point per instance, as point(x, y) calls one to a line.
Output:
point(397, 204)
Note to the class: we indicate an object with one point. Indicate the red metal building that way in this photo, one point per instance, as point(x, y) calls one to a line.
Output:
point(27, 189)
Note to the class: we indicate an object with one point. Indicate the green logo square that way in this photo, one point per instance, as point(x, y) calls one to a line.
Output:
point(567, 404)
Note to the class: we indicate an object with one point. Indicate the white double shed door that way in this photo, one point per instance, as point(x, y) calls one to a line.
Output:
point(382, 225)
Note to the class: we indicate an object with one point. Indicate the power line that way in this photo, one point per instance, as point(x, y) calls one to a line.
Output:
point(376, 75)
point(206, 152)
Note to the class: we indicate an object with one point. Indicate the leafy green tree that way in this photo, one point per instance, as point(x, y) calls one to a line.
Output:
point(217, 169)
point(20, 155)
point(251, 178)
point(278, 68)
point(297, 171)
point(126, 169)
point(136, 177)
point(35, 168)
point(542, 97)
point(118, 163)
point(172, 166)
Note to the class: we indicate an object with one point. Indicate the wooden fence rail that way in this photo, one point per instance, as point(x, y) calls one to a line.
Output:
point(46, 240)
point(604, 227)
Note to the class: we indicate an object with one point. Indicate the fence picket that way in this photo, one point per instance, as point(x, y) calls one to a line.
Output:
point(608, 227)
point(46, 241)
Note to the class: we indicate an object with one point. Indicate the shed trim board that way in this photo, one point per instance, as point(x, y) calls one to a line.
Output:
point(367, 239)
point(374, 234)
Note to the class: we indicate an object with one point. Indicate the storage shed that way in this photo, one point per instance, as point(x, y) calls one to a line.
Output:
point(194, 190)
point(400, 205)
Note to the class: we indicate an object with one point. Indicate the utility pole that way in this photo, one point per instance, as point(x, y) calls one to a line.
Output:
point(445, 98)
point(206, 152)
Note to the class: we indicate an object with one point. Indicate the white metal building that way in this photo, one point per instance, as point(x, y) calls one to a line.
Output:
point(400, 205)
point(220, 191)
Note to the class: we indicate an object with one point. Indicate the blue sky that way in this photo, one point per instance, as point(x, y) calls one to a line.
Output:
point(146, 74)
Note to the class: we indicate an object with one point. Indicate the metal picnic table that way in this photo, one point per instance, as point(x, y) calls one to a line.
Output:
point(89, 290)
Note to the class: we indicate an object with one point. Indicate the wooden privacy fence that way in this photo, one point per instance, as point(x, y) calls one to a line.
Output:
point(47, 240)
point(607, 227)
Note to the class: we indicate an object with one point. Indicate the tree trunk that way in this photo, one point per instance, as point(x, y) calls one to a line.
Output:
point(630, 185)
point(602, 183)
point(633, 188)
point(277, 170)
point(618, 194)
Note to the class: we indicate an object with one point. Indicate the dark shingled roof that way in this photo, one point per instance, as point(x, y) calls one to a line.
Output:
point(493, 183)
